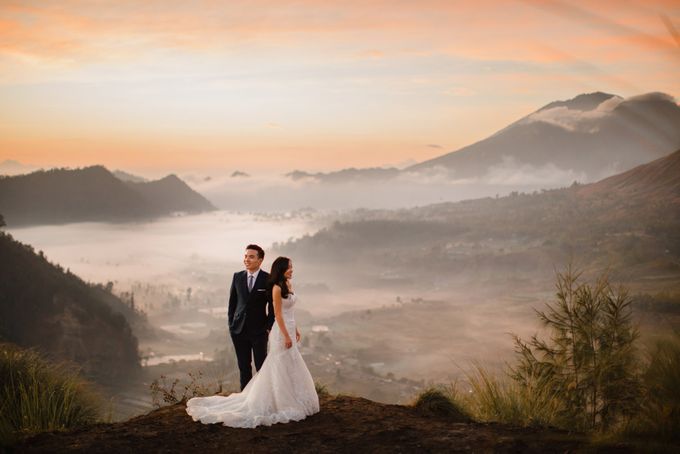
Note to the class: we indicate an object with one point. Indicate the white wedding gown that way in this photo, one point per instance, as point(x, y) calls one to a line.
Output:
point(282, 391)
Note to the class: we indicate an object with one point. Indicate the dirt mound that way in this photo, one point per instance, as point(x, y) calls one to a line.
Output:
point(345, 424)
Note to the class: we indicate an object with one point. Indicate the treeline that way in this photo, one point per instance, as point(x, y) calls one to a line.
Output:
point(49, 308)
point(92, 194)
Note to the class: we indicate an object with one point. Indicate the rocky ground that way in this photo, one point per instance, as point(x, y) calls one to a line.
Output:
point(345, 424)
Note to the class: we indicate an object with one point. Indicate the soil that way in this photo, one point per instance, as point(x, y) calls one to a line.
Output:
point(345, 425)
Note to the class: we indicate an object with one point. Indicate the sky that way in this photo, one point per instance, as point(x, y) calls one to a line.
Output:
point(271, 86)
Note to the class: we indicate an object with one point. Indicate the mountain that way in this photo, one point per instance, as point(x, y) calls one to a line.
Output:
point(586, 138)
point(584, 102)
point(592, 136)
point(92, 194)
point(44, 307)
point(346, 175)
point(344, 425)
point(12, 167)
point(172, 194)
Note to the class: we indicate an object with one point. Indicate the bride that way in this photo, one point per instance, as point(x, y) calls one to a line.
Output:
point(283, 389)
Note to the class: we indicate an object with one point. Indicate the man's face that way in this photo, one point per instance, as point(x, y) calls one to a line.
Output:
point(251, 260)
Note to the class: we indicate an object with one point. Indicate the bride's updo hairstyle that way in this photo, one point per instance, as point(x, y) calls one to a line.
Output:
point(276, 276)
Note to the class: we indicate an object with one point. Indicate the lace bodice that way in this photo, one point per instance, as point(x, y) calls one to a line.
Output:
point(289, 301)
point(287, 305)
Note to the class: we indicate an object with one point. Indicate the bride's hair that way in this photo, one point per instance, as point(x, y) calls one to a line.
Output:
point(276, 276)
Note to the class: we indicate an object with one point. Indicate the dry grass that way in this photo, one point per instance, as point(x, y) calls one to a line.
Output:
point(37, 396)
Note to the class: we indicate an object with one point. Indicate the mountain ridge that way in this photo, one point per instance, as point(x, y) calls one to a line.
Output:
point(92, 193)
point(583, 102)
point(659, 178)
point(576, 136)
point(588, 137)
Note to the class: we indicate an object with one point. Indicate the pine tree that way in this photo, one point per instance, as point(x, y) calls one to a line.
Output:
point(589, 362)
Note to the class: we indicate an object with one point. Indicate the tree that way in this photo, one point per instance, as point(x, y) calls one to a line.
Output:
point(589, 363)
point(2, 221)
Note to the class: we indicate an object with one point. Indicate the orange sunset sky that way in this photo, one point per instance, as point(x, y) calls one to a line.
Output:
point(315, 85)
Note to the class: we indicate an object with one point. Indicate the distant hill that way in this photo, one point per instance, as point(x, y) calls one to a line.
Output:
point(345, 425)
point(648, 183)
point(346, 175)
point(92, 194)
point(594, 135)
point(12, 167)
point(53, 310)
point(171, 194)
point(628, 223)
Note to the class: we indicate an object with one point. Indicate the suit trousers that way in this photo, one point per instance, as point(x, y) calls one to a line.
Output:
point(248, 347)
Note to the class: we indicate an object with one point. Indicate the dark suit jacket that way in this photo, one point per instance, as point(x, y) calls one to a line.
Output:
point(250, 312)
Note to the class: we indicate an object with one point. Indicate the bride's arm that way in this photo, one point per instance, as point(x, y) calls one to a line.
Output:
point(278, 314)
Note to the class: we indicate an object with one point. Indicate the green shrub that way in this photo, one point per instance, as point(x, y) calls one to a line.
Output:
point(441, 402)
point(37, 396)
point(321, 389)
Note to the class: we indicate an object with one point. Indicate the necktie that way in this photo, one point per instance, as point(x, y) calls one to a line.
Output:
point(250, 282)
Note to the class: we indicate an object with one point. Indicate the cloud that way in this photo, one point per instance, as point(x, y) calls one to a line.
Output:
point(590, 121)
point(373, 53)
point(655, 96)
point(83, 30)
point(460, 91)
point(509, 172)
point(576, 120)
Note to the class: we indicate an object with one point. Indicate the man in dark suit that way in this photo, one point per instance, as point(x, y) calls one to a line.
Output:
point(251, 313)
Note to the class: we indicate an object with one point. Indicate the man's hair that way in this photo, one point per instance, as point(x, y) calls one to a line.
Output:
point(255, 247)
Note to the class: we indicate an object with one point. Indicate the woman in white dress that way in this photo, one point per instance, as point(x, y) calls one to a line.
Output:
point(283, 390)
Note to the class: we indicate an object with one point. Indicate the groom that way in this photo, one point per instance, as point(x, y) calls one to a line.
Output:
point(251, 313)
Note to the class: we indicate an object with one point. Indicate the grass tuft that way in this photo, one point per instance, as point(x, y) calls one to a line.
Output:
point(321, 389)
point(501, 399)
point(38, 396)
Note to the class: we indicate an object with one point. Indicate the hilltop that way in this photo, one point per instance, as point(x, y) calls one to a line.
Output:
point(61, 196)
point(345, 424)
point(651, 182)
